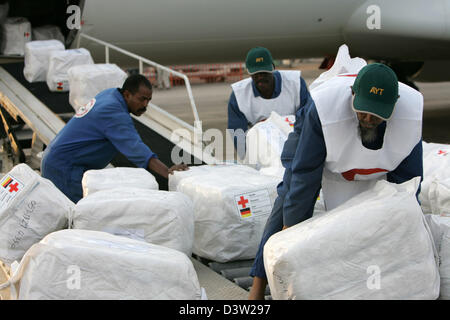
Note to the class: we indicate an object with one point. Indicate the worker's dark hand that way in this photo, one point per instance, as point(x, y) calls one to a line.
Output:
point(178, 167)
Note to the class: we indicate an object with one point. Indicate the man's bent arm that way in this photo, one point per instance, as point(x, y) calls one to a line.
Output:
point(236, 119)
point(307, 168)
point(154, 164)
point(410, 167)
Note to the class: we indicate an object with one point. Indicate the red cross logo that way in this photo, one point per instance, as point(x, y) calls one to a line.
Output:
point(287, 120)
point(243, 202)
point(26, 34)
point(13, 187)
point(442, 152)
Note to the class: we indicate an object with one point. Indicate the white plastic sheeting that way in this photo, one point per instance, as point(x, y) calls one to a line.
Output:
point(60, 62)
point(37, 54)
point(16, 32)
point(158, 217)
point(111, 178)
point(440, 228)
point(231, 206)
point(91, 265)
point(265, 142)
point(377, 245)
point(434, 195)
point(439, 197)
point(342, 64)
point(48, 32)
point(86, 82)
point(444, 267)
point(30, 208)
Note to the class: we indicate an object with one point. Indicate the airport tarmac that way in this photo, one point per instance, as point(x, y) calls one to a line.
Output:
point(212, 101)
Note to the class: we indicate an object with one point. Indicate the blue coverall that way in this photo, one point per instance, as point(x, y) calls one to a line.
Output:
point(91, 142)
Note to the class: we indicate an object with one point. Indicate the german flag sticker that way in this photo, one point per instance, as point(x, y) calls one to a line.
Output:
point(10, 184)
point(6, 182)
point(245, 213)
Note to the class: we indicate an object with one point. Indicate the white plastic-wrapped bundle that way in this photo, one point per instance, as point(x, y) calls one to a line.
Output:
point(60, 62)
point(376, 245)
point(444, 268)
point(37, 54)
point(439, 197)
point(436, 168)
point(30, 208)
point(440, 228)
point(86, 82)
point(231, 206)
point(119, 177)
point(48, 32)
point(16, 32)
point(91, 265)
point(265, 141)
point(158, 217)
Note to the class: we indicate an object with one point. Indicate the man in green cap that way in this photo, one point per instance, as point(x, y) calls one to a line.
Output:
point(361, 128)
point(253, 99)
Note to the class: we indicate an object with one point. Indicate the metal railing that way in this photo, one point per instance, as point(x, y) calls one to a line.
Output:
point(197, 123)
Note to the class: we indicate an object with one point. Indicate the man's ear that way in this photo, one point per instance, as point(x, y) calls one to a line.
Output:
point(126, 94)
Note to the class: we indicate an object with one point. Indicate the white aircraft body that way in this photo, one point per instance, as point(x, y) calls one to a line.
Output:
point(413, 36)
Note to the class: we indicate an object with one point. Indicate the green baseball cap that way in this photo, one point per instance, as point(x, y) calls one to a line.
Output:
point(259, 59)
point(376, 90)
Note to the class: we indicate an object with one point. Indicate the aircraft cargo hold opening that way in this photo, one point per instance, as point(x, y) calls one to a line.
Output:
point(42, 15)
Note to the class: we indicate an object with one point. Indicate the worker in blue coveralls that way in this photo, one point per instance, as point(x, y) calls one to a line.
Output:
point(253, 99)
point(97, 132)
point(360, 129)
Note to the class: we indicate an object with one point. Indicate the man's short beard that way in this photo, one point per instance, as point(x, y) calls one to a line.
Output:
point(368, 135)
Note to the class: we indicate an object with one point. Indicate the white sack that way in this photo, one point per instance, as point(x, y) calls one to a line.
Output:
point(224, 229)
point(48, 32)
point(377, 245)
point(91, 265)
point(440, 229)
point(342, 64)
point(16, 32)
point(265, 142)
point(159, 217)
point(111, 178)
point(436, 168)
point(36, 60)
point(30, 208)
point(86, 82)
point(60, 62)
